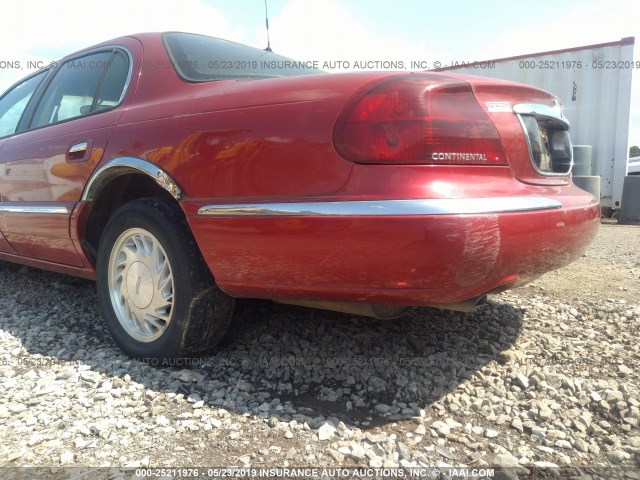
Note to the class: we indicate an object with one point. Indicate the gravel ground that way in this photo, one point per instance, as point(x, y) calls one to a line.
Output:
point(541, 381)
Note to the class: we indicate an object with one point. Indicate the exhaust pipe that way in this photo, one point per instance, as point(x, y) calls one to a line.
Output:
point(467, 306)
point(382, 311)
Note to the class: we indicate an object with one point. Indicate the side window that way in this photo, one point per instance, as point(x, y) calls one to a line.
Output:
point(13, 103)
point(82, 86)
point(114, 82)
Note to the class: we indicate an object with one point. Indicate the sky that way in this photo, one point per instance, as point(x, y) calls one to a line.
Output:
point(328, 30)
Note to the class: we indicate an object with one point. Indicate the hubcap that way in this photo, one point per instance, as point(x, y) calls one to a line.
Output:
point(141, 285)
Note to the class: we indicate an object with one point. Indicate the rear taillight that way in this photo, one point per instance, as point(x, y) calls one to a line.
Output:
point(418, 120)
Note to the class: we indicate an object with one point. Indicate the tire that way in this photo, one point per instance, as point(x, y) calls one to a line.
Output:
point(156, 293)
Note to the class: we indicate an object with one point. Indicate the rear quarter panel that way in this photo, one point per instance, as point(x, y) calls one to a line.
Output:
point(237, 138)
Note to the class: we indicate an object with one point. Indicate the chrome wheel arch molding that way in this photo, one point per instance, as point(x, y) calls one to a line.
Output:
point(123, 165)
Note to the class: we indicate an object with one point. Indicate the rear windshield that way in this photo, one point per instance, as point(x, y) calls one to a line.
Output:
point(198, 58)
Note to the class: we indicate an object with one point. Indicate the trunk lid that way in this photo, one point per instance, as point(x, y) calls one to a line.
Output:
point(534, 132)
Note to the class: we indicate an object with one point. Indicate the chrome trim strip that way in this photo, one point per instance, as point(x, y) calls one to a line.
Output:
point(125, 89)
point(444, 206)
point(539, 110)
point(41, 209)
point(119, 166)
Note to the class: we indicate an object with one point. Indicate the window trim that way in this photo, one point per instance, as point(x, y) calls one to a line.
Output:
point(24, 125)
point(47, 72)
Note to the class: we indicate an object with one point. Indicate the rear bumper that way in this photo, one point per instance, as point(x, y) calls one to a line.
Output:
point(406, 252)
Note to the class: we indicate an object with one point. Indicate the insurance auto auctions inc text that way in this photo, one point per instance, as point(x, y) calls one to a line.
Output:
point(326, 473)
point(371, 64)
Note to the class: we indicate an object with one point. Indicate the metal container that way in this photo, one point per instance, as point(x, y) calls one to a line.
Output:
point(594, 84)
point(588, 183)
point(630, 211)
point(582, 160)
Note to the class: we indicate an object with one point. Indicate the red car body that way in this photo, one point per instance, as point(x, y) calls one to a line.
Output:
point(276, 209)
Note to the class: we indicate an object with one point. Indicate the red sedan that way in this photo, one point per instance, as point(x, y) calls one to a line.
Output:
point(181, 171)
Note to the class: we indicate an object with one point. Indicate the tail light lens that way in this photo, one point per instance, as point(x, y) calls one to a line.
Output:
point(418, 120)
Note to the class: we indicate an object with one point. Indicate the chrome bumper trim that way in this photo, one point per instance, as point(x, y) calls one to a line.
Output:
point(445, 206)
point(41, 209)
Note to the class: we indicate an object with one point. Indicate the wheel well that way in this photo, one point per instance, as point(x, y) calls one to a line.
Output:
point(119, 191)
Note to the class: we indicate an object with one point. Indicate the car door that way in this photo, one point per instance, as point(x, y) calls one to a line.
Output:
point(60, 140)
point(12, 105)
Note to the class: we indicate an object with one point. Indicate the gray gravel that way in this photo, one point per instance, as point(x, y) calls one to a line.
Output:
point(534, 381)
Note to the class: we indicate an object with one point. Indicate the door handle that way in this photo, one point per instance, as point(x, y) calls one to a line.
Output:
point(77, 151)
point(78, 147)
